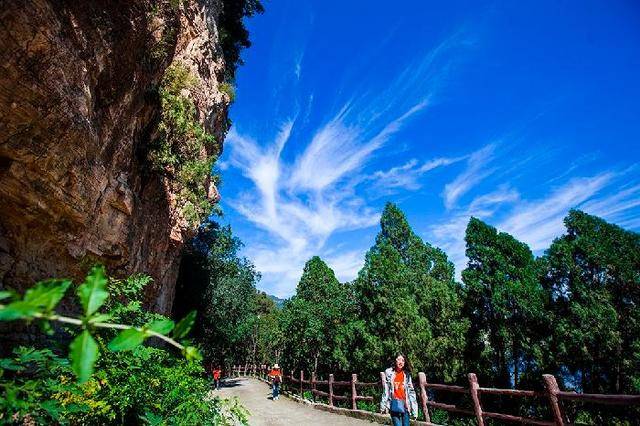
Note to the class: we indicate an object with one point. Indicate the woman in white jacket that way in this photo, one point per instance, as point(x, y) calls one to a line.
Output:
point(398, 394)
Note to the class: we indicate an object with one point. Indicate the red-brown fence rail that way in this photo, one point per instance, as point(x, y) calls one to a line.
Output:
point(552, 394)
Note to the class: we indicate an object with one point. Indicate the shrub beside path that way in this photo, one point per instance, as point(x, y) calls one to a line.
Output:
point(256, 397)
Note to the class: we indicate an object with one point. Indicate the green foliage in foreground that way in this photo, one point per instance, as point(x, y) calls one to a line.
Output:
point(39, 302)
point(129, 384)
point(143, 386)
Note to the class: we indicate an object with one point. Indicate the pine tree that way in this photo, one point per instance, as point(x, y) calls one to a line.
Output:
point(409, 301)
point(313, 318)
point(592, 274)
point(504, 303)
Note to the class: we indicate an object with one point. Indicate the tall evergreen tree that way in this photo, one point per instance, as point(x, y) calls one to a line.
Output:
point(221, 285)
point(592, 274)
point(312, 319)
point(409, 301)
point(504, 303)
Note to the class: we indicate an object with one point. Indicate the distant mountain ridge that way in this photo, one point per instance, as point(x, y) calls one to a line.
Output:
point(279, 302)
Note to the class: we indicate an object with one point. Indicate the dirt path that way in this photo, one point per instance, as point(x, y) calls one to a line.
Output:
point(256, 397)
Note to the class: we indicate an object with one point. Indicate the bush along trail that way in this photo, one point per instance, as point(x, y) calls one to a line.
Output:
point(108, 375)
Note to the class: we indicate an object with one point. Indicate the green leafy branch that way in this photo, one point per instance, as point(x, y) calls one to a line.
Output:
point(39, 302)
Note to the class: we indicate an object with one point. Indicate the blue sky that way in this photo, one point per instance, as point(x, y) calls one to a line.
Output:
point(512, 112)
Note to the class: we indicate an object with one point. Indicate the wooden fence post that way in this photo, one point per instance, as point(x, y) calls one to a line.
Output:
point(473, 389)
point(301, 384)
point(552, 392)
point(354, 379)
point(313, 386)
point(331, 390)
point(422, 380)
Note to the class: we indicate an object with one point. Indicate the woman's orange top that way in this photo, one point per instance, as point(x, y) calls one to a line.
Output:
point(398, 386)
point(274, 373)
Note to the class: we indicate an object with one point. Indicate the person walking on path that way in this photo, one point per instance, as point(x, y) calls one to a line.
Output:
point(398, 394)
point(276, 379)
point(217, 372)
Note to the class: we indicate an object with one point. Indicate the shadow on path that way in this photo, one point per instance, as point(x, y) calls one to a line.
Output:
point(230, 383)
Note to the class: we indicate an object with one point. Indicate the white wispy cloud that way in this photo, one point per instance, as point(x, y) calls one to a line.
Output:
point(449, 235)
point(299, 222)
point(300, 203)
point(347, 264)
point(407, 176)
point(339, 148)
point(477, 169)
point(538, 221)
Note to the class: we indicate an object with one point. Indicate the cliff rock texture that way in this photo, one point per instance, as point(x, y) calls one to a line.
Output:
point(79, 109)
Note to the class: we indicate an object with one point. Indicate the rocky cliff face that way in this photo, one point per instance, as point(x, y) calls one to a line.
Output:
point(78, 111)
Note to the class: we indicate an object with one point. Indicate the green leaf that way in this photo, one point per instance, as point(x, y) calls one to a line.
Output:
point(184, 325)
point(52, 407)
point(152, 419)
point(17, 310)
point(5, 294)
point(47, 294)
point(46, 327)
point(191, 353)
point(9, 364)
point(162, 326)
point(92, 292)
point(84, 353)
point(127, 340)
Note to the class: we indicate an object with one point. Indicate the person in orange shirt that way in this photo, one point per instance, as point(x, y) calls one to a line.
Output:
point(276, 379)
point(398, 394)
point(217, 372)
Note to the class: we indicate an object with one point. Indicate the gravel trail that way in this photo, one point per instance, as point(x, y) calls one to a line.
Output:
point(256, 397)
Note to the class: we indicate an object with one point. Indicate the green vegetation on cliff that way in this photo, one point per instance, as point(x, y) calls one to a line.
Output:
point(185, 152)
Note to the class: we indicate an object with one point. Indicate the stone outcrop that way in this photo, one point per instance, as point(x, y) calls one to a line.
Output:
point(78, 111)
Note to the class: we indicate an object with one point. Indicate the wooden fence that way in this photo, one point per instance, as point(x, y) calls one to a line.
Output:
point(552, 394)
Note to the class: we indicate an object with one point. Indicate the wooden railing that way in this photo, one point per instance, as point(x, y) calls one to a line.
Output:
point(552, 394)
point(297, 384)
